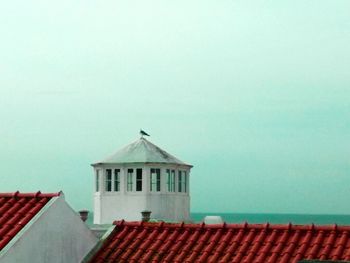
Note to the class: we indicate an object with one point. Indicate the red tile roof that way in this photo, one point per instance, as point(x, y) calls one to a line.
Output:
point(16, 210)
point(167, 242)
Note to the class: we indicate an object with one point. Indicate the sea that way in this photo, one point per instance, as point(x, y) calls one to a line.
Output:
point(297, 219)
point(262, 218)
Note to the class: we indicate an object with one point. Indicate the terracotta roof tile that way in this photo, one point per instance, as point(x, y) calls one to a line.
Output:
point(16, 210)
point(247, 243)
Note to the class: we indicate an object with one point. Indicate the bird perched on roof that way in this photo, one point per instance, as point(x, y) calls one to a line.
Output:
point(143, 133)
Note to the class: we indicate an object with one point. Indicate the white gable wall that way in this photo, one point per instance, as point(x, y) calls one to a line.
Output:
point(56, 234)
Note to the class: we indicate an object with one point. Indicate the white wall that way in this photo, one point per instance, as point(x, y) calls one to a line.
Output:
point(57, 236)
point(169, 206)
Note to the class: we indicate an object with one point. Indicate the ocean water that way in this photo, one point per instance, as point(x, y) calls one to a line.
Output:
point(276, 218)
point(297, 219)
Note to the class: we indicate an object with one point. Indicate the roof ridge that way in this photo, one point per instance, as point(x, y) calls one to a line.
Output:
point(245, 225)
point(38, 194)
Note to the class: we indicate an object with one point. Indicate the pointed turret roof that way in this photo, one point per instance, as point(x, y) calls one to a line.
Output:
point(141, 151)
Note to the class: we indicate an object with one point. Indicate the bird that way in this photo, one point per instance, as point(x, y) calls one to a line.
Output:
point(143, 133)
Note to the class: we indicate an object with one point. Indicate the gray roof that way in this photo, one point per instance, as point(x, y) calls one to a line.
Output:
point(141, 151)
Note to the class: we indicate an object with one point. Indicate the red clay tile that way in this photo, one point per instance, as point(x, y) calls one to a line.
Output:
point(16, 210)
point(167, 242)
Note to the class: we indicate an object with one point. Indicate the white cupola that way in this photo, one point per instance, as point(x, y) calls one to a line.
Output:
point(139, 177)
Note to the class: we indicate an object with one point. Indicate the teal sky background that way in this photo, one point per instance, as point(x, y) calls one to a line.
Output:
point(254, 94)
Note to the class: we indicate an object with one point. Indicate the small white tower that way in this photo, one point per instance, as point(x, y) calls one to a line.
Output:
point(140, 177)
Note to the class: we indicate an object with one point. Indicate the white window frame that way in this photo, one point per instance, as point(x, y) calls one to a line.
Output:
point(170, 180)
point(130, 180)
point(182, 181)
point(138, 180)
point(97, 180)
point(116, 180)
point(155, 180)
point(108, 180)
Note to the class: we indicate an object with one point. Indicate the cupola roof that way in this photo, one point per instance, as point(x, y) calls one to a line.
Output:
point(141, 151)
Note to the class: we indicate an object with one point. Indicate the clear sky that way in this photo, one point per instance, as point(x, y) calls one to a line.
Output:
point(254, 94)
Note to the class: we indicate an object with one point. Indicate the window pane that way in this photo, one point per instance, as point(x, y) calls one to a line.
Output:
point(155, 180)
point(138, 180)
point(130, 180)
point(173, 180)
point(184, 182)
point(152, 180)
point(180, 182)
point(116, 180)
point(168, 175)
point(97, 180)
point(158, 182)
point(108, 180)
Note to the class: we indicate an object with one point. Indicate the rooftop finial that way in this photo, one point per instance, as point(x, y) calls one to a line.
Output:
point(143, 133)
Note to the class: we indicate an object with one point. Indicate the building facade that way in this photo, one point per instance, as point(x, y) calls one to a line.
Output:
point(140, 177)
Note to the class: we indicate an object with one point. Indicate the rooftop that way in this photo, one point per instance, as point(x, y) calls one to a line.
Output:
point(16, 210)
point(265, 243)
point(141, 151)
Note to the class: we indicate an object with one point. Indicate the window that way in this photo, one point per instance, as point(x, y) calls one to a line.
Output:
point(179, 187)
point(138, 180)
point(108, 180)
point(171, 180)
point(155, 180)
point(97, 181)
point(182, 182)
point(116, 180)
point(130, 176)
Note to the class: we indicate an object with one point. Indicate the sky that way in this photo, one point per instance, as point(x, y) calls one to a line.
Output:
point(255, 94)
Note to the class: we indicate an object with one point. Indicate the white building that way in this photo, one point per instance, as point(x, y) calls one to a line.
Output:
point(139, 177)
